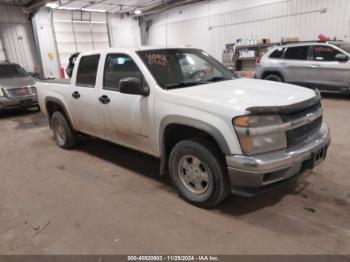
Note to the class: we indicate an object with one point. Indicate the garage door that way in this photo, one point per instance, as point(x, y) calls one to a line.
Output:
point(78, 31)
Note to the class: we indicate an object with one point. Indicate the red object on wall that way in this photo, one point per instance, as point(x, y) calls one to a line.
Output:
point(62, 74)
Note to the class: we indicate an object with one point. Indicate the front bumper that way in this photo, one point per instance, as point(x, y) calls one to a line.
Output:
point(20, 102)
point(251, 175)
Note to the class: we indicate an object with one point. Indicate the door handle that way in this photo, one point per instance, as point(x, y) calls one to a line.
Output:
point(315, 65)
point(76, 95)
point(104, 99)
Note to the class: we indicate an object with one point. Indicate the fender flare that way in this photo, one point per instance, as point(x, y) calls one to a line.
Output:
point(190, 122)
point(60, 103)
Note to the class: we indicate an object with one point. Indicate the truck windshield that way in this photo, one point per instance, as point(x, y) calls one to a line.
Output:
point(179, 68)
point(9, 71)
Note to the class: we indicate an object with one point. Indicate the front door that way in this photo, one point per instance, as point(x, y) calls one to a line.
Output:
point(83, 96)
point(127, 119)
point(326, 72)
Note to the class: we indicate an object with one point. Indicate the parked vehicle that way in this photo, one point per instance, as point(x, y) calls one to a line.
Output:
point(17, 89)
point(325, 66)
point(214, 132)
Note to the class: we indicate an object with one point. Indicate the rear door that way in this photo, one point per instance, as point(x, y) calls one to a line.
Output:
point(296, 65)
point(127, 119)
point(83, 95)
point(326, 72)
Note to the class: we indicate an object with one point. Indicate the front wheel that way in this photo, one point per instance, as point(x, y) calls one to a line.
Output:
point(273, 77)
point(198, 173)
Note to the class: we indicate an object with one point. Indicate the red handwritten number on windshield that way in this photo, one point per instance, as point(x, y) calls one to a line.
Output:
point(157, 59)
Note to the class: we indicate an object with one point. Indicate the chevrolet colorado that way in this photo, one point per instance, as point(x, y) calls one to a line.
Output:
point(214, 132)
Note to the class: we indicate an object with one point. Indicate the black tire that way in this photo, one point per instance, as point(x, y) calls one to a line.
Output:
point(65, 136)
point(273, 77)
point(217, 186)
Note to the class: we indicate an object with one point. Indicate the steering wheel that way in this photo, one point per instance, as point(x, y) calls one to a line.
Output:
point(199, 74)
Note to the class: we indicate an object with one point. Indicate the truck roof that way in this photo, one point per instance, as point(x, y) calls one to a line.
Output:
point(133, 49)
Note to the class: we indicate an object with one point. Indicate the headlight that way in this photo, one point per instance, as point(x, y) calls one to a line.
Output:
point(260, 133)
point(1, 92)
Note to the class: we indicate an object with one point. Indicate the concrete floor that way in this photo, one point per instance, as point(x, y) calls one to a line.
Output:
point(105, 199)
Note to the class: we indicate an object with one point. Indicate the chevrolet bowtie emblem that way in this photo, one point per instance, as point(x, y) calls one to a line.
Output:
point(310, 117)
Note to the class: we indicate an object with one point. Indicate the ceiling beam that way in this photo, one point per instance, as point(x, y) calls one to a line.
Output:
point(164, 6)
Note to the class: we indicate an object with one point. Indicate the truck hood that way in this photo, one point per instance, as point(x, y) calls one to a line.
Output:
point(240, 94)
point(16, 82)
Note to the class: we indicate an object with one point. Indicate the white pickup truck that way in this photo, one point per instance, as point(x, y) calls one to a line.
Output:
point(214, 132)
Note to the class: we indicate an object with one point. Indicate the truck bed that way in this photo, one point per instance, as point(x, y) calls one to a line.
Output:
point(55, 81)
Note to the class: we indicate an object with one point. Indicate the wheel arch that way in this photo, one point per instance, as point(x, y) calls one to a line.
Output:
point(176, 128)
point(273, 72)
point(53, 104)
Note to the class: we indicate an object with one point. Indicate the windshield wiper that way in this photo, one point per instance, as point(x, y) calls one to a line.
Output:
point(218, 78)
point(184, 84)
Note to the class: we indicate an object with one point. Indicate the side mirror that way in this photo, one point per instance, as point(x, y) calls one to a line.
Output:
point(133, 86)
point(341, 58)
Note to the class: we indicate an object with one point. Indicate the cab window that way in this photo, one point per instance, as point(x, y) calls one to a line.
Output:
point(117, 67)
point(87, 71)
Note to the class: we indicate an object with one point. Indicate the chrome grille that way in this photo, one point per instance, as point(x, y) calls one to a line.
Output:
point(299, 134)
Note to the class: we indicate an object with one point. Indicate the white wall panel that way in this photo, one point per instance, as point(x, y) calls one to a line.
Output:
point(45, 41)
point(211, 26)
point(2, 51)
point(17, 38)
point(124, 32)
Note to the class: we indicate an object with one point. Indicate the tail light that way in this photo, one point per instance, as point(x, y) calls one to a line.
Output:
point(258, 60)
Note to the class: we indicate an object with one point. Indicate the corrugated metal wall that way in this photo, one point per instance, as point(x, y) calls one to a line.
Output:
point(268, 19)
point(123, 32)
point(17, 37)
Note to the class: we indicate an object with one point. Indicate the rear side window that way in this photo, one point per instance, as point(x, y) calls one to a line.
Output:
point(87, 71)
point(278, 53)
point(325, 53)
point(297, 53)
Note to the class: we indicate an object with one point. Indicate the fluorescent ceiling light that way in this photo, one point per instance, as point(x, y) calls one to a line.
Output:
point(138, 12)
point(67, 8)
point(94, 10)
point(52, 5)
point(81, 9)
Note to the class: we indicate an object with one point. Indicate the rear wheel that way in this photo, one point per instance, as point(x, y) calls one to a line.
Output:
point(64, 135)
point(198, 173)
point(273, 77)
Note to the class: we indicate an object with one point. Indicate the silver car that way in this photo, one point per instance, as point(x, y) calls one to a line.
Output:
point(322, 65)
point(17, 89)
